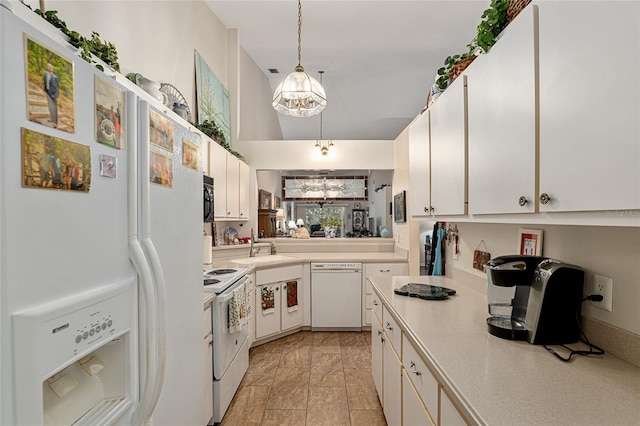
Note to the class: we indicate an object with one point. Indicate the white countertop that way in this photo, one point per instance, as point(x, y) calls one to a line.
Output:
point(295, 258)
point(504, 382)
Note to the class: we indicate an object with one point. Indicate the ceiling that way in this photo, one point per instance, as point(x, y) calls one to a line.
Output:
point(379, 57)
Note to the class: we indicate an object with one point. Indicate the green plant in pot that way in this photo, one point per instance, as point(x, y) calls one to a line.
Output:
point(494, 20)
point(331, 225)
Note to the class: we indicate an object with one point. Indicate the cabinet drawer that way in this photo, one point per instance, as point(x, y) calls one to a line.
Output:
point(390, 326)
point(384, 269)
point(420, 376)
point(274, 275)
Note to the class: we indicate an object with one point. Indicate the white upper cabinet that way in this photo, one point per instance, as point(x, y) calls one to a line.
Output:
point(218, 171)
point(243, 190)
point(233, 186)
point(589, 105)
point(449, 150)
point(419, 167)
point(502, 127)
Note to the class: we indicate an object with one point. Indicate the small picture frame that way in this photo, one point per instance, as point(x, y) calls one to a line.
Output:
point(190, 155)
point(276, 202)
point(399, 207)
point(530, 242)
point(108, 166)
point(264, 199)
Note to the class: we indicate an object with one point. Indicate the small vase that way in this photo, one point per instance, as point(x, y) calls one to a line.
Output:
point(384, 231)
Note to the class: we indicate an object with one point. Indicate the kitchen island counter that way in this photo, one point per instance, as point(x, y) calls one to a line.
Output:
point(268, 261)
point(502, 382)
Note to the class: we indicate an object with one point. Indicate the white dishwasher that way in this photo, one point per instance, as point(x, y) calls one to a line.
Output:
point(336, 296)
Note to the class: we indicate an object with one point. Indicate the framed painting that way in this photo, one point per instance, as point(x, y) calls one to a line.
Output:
point(160, 131)
point(212, 98)
point(50, 93)
point(358, 219)
point(109, 111)
point(161, 172)
point(530, 242)
point(54, 163)
point(399, 207)
point(264, 199)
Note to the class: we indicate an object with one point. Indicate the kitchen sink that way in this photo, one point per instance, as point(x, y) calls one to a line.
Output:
point(262, 259)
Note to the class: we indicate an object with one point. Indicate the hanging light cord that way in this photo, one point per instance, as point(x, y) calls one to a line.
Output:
point(299, 31)
point(321, 72)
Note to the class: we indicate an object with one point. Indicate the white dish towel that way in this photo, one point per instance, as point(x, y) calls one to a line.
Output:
point(238, 309)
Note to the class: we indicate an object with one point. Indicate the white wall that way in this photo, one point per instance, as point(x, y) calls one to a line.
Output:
point(158, 38)
point(610, 251)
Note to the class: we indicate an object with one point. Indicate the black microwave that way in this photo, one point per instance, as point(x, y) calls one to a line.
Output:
point(208, 199)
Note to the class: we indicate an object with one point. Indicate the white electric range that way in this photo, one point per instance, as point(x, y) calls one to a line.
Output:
point(230, 346)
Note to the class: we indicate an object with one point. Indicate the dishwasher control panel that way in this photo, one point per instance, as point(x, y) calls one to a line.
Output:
point(335, 266)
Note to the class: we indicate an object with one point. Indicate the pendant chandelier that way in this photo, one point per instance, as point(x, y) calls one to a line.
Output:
point(299, 94)
point(320, 144)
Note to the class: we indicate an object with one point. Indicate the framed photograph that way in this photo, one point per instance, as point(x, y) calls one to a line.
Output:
point(108, 166)
point(50, 95)
point(276, 202)
point(358, 219)
point(160, 131)
point(190, 155)
point(109, 112)
point(54, 163)
point(264, 199)
point(161, 172)
point(399, 207)
point(530, 242)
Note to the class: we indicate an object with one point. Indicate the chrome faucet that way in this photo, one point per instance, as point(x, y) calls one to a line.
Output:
point(253, 251)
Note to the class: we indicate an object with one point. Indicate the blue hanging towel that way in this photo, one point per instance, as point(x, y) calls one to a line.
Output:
point(437, 266)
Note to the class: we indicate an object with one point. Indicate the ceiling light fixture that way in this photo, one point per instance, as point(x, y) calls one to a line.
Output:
point(299, 94)
point(320, 144)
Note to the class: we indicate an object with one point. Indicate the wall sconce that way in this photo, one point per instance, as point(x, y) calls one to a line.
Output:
point(324, 148)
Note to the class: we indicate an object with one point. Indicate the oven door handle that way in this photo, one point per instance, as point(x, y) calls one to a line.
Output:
point(228, 294)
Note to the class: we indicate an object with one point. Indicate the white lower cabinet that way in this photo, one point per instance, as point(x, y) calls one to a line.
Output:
point(278, 299)
point(413, 412)
point(380, 269)
point(449, 415)
point(377, 339)
point(425, 384)
point(409, 392)
point(392, 384)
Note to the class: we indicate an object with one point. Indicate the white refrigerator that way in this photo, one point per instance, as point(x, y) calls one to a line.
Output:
point(100, 269)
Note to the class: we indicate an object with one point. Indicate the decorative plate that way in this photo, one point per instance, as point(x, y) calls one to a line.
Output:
point(174, 96)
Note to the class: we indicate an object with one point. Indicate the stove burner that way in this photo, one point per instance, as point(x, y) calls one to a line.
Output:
point(209, 281)
point(221, 272)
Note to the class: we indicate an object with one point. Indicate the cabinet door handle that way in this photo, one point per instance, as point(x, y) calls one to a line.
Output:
point(426, 209)
point(379, 332)
point(388, 326)
point(522, 201)
point(412, 368)
point(375, 303)
point(385, 270)
point(544, 198)
point(382, 340)
point(277, 288)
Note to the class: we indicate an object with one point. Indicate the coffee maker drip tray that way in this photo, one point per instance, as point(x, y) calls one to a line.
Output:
point(507, 328)
point(424, 291)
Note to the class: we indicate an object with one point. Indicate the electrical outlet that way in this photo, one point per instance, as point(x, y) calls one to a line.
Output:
point(604, 287)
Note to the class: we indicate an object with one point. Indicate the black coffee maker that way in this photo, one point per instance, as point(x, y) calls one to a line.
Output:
point(534, 298)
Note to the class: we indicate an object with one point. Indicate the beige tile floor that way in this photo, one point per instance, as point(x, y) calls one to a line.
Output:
point(319, 378)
